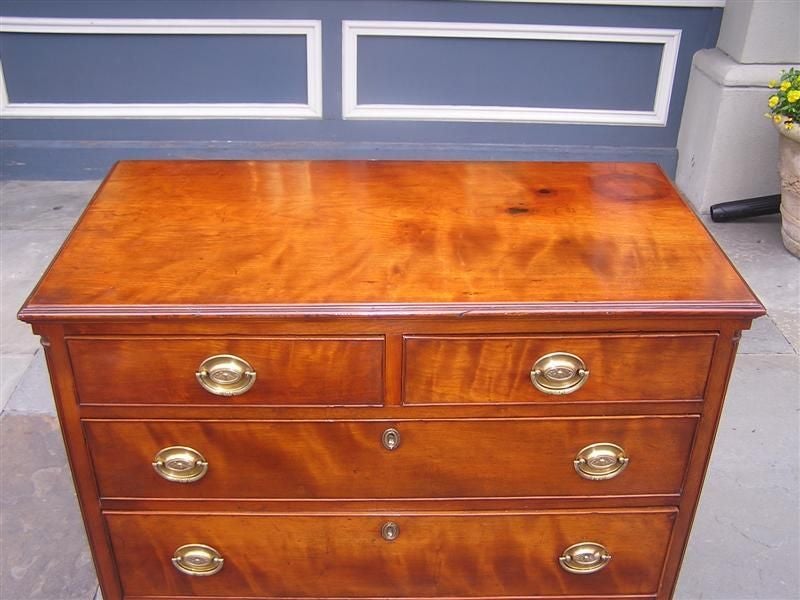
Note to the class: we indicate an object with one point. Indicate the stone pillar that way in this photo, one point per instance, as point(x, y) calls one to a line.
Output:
point(727, 150)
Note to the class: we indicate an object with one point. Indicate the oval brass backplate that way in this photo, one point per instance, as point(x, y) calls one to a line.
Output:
point(584, 558)
point(226, 375)
point(559, 373)
point(599, 461)
point(180, 464)
point(197, 560)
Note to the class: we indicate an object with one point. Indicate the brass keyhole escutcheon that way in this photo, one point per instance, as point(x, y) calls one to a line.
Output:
point(559, 373)
point(599, 461)
point(584, 558)
point(391, 439)
point(180, 464)
point(197, 560)
point(226, 375)
point(390, 530)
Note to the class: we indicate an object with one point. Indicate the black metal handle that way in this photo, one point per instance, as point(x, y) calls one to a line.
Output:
point(741, 209)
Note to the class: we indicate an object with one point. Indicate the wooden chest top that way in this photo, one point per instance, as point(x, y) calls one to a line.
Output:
point(163, 238)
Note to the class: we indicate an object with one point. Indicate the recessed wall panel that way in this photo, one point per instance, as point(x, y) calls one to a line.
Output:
point(507, 72)
point(154, 68)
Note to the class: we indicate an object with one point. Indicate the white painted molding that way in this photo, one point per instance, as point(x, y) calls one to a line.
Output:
point(677, 3)
point(312, 30)
point(351, 109)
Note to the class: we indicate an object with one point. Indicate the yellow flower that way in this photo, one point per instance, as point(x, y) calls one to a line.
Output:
point(793, 96)
point(772, 83)
point(785, 86)
point(777, 118)
point(789, 125)
point(773, 101)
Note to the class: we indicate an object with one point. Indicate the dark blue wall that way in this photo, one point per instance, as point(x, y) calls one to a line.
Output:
point(154, 68)
point(498, 72)
point(171, 68)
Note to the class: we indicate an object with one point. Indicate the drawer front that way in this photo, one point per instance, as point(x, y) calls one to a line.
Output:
point(288, 371)
point(451, 555)
point(434, 459)
point(497, 369)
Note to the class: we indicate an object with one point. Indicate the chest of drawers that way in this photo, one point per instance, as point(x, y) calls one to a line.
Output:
point(388, 380)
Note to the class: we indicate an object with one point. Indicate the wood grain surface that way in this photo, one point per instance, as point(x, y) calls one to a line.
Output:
point(436, 459)
point(289, 370)
point(199, 237)
point(471, 369)
point(439, 555)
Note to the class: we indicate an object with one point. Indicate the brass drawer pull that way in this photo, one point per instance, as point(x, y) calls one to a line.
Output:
point(390, 531)
point(198, 560)
point(226, 375)
point(391, 439)
point(180, 464)
point(559, 373)
point(584, 558)
point(599, 461)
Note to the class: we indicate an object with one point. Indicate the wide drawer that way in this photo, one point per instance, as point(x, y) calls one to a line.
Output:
point(346, 556)
point(493, 458)
point(498, 369)
point(284, 370)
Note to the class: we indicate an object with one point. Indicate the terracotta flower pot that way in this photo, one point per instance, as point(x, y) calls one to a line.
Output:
point(789, 147)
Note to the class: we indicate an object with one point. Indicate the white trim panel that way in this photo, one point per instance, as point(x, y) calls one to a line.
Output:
point(312, 30)
point(351, 109)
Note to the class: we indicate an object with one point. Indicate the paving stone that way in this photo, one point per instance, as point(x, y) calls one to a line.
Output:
point(764, 337)
point(43, 205)
point(45, 554)
point(746, 530)
point(24, 255)
point(33, 393)
point(755, 247)
point(12, 368)
point(16, 337)
point(789, 323)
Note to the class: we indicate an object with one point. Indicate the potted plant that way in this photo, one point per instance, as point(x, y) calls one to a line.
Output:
point(784, 109)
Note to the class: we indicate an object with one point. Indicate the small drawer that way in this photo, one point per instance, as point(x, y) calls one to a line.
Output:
point(252, 371)
point(569, 368)
point(477, 458)
point(454, 555)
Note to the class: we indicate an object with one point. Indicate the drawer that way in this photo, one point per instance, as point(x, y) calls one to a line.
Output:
point(497, 369)
point(492, 458)
point(346, 556)
point(287, 370)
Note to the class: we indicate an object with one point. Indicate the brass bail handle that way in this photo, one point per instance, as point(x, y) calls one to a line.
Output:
point(226, 375)
point(180, 464)
point(559, 373)
point(602, 460)
point(197, 560)
point(584, 558)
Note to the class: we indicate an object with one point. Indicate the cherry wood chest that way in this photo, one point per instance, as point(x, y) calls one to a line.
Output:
point(388, 379)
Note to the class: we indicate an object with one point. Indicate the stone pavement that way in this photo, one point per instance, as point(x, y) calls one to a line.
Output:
point(745, 539)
